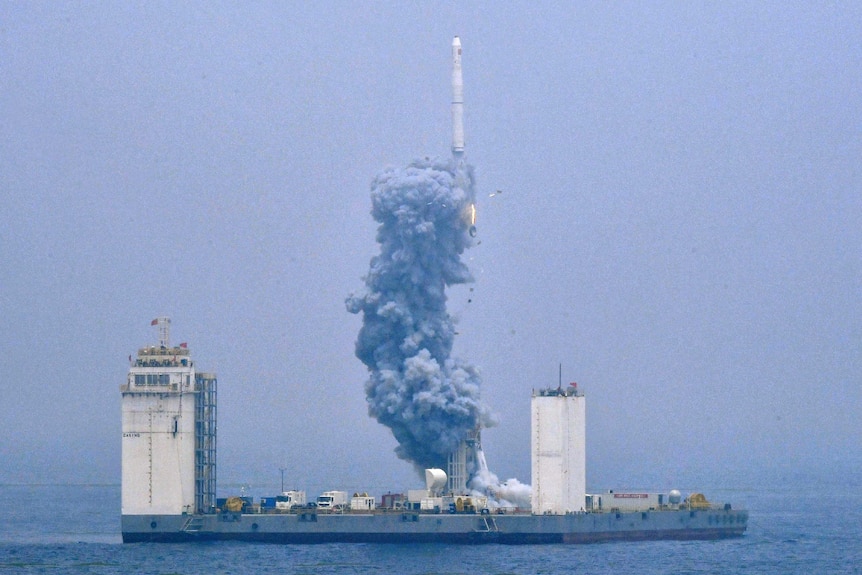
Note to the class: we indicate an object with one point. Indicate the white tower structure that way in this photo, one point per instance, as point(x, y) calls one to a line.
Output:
point(463, 463)
point(169, 432)
point(558, 425)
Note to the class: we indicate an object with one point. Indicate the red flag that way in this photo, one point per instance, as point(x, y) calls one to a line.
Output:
point(184, 345)
point(154, 322)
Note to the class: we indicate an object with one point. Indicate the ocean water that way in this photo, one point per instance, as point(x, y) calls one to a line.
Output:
point(75, 529)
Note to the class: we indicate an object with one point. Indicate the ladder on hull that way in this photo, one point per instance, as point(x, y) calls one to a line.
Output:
point(487, 525)
point(193, 524)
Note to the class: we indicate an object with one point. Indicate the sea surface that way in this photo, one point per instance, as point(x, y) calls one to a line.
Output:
point(75, 529)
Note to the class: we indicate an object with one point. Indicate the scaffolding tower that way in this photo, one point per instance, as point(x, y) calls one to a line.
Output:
point(205, 442)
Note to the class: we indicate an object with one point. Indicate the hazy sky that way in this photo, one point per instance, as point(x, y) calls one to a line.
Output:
point(679, 227)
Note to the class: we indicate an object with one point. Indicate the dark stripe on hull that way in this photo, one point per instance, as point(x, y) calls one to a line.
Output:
point(456, 538)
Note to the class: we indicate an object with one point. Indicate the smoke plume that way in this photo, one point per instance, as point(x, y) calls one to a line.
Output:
point(428, 399)
point(509, 493)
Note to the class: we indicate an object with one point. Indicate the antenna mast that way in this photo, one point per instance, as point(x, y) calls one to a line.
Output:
point(164, 324)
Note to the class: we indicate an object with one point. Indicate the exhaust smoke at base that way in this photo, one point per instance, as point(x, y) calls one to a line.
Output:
point(429, 399)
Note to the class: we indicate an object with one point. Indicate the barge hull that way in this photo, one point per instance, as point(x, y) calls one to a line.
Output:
point(437, 528)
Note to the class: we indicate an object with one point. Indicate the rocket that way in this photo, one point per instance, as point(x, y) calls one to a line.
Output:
point(457, 100)
point(461, 179)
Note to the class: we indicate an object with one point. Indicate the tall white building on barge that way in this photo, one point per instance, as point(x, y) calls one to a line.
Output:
point(558, 436)
point(169, 432)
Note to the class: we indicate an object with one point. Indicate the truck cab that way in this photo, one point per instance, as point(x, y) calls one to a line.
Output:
point(332, 500)
point(289, 499)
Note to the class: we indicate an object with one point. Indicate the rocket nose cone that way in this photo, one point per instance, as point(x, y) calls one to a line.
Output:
point(456, 42)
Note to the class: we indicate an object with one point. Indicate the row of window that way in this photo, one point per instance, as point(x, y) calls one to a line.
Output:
point(152, 379)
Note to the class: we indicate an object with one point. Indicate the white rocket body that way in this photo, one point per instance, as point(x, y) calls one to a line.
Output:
point(457, 100)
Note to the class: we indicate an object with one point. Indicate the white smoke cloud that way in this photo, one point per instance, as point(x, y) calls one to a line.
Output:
point(509, 493)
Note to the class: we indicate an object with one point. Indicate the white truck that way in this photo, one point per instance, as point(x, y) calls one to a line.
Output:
point(289, 499)
point(333, 500)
